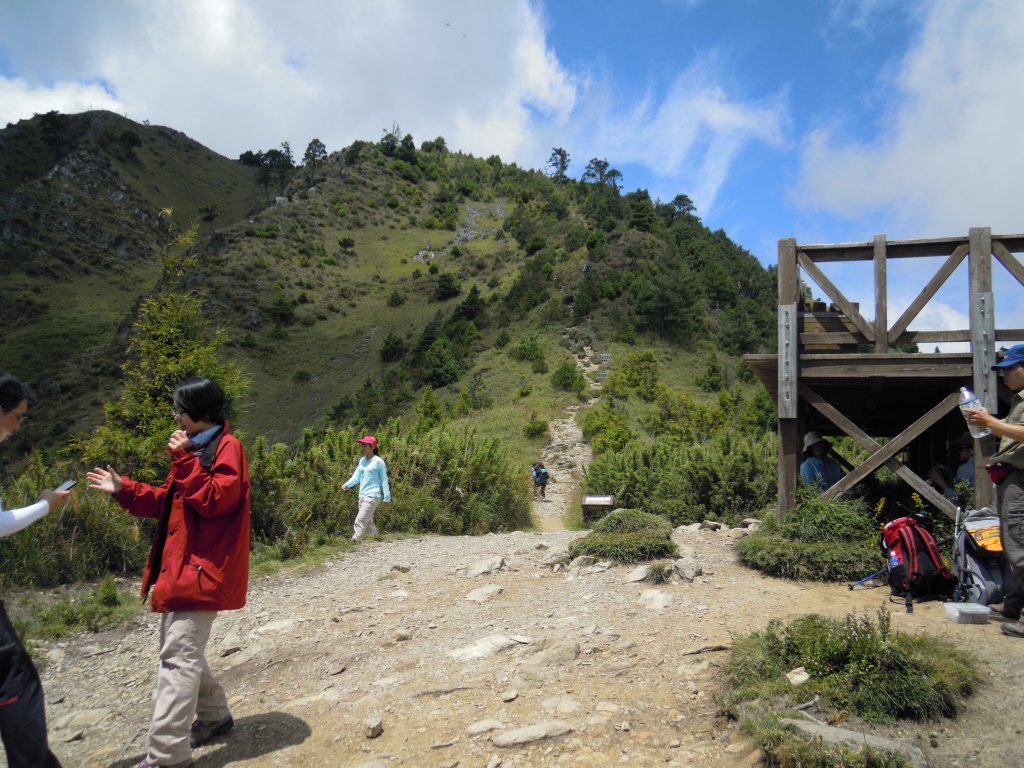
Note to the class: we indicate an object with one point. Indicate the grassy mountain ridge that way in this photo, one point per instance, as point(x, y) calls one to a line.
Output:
point(393, 268)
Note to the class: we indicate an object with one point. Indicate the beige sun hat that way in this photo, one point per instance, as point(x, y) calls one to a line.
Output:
point(812, 438)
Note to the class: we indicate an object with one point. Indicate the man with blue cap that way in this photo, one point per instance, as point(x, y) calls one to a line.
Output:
point(1007, 472)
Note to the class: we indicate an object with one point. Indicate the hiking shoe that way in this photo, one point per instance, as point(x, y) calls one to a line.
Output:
point(1016, 629)
point(146, 763)
point(204, 730)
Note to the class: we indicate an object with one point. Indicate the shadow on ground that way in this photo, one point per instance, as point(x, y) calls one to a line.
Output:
point(251, 737)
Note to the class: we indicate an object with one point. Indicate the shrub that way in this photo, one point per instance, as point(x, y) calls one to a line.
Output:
point(727, 477)
point(393, 349)
point(824, 540)
point(396, 299)
point(443, 481)
point(855, 665)
point(535, 428)
point(631, 521)
point(636, 547)
point(568, 377)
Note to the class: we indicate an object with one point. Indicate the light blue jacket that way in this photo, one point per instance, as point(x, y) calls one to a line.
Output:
point(372, 476)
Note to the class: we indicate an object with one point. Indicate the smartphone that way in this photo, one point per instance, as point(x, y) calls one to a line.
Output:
point(67, 485)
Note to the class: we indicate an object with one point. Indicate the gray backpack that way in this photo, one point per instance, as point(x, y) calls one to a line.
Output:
point(983, 574)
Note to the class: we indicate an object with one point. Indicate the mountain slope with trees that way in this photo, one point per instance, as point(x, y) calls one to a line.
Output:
point(390, 268)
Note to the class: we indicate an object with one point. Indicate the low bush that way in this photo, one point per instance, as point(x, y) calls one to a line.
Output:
point(855, 665)
point(631, 521)
point(727, 477)
point(635, 547)
point(442, 481)
point(820, 539)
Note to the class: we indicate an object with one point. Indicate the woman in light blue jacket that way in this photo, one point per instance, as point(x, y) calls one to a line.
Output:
point(372, 475)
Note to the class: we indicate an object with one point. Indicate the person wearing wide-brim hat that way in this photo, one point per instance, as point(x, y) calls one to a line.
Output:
point(1006, 469)
point(372, 475)
point(818, 467)
point(962, 447)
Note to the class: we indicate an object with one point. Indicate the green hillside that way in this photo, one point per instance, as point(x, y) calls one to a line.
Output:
point(390, 267)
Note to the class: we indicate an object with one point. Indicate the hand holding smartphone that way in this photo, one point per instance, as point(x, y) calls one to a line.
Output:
point(67, 485)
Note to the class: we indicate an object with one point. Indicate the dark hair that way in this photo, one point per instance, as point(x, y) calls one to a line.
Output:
point(202, 400)
point(12, 392)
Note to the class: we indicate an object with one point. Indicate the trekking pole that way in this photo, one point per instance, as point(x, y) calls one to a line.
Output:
point(866, 578)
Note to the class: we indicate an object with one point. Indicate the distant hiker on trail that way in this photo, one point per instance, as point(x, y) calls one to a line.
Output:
point(1006, 472)
point(22, 710)
point(819, 468)
point(198, 565)
point(540, 479)
point(372, 475)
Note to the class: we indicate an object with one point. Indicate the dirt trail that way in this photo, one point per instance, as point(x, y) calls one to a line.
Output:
point(566, 458)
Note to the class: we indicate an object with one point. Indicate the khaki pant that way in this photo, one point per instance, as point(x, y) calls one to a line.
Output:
point(185, 688)
point(363, 525)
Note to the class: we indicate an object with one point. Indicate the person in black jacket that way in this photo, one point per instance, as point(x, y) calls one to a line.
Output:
point(22, 711)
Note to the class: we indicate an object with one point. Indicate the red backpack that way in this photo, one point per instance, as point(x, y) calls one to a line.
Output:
point(915, 564)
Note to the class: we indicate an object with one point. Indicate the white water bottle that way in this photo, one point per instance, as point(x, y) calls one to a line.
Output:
point(970, 400)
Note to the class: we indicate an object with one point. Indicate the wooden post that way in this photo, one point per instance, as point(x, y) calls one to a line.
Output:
point(983, 348)
point(881, 313)
point(789, 341)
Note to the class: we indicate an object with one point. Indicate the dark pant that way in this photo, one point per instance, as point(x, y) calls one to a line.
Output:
point(22, 713)
point(1010, 502)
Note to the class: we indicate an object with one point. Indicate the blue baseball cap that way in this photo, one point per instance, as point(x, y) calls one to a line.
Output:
point(1015, 356)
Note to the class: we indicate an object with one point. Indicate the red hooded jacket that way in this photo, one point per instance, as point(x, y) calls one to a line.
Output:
point(199, 560)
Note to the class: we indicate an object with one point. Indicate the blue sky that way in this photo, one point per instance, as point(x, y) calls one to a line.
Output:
point(823, 120)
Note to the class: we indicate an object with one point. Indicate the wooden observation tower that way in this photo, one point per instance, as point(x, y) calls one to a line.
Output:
point(835, 373)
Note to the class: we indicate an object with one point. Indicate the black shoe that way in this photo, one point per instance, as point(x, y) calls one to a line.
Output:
point(1007, 612)
point(203, 731)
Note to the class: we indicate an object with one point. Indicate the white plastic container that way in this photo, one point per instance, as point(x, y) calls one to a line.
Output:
point(967, 613)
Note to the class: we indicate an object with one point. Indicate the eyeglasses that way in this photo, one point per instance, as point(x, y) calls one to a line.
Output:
point(175, 412)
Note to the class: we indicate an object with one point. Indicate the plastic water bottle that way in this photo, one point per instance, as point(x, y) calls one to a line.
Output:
point(970, 400)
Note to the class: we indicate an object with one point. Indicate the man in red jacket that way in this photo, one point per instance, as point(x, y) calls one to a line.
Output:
point(198, 565)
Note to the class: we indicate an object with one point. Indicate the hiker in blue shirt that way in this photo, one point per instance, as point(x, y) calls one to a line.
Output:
point(819, 468)
point(540, 479)
point(372, 475)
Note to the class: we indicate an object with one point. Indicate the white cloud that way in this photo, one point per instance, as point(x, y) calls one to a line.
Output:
point(690, 138)
point(249, 74)
point(947, 154)
point(19, 100)
point(238, 74)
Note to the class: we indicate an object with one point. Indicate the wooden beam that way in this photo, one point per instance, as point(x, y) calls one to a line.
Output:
point(916, 337)
point(789, 275)
point(836, 295)
point(983, 321)
point(927, 293)
point(884, 454)
point(1008, 260)
point(899, 249)
point(836, 366)
point(789, 463)
point(789, 362)
point(897, 443)
point(881, 312)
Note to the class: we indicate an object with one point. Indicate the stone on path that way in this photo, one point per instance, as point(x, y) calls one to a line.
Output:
point(688, 568)
point(545, 730)
point(480, 567)
point(482, 648)
point(484, 593)
point(655, 599)
point(639, 573)
point(832, 735)
point(373, 727)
